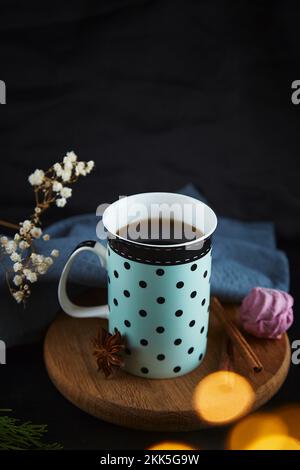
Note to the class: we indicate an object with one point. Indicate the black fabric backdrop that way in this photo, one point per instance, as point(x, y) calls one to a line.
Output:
point(158, 93)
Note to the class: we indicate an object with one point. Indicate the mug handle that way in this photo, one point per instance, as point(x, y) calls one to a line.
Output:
point(77, 311)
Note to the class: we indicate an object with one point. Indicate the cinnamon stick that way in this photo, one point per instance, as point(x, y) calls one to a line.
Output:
point(226, 356)
point(236, 336)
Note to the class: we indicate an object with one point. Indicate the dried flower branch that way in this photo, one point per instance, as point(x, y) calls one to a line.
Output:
point(49, 187)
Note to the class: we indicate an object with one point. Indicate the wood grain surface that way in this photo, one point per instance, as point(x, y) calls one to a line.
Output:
point(149, 404)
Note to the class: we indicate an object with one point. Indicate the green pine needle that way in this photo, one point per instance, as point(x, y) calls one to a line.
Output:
point(21, 436)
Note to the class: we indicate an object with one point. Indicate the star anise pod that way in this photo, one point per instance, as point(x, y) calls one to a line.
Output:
point(107, 349)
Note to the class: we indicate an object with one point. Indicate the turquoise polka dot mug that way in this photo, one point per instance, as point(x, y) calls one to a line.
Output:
point(158, 294)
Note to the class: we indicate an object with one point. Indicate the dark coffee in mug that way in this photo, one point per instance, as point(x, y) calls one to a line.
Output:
point(160, 231)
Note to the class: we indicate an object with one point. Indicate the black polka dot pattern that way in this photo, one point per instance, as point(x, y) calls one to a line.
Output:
point(160, 329)
point(182, 291)
point(180, 285)
point(178, 313)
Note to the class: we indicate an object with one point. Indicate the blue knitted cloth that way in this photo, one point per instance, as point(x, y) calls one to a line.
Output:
point(244, 256)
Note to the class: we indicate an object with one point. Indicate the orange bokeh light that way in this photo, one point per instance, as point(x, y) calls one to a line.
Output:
point(290, 414)
point(274, 442)
point(222, 397)
point(255, 428)
point(169, 445)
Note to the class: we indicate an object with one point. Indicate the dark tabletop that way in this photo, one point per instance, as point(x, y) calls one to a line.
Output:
point(26, 388)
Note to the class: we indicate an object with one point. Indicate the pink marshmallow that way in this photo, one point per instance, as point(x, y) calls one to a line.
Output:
point(267, 313)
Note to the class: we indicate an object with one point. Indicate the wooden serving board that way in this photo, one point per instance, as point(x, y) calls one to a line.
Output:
point(149, 404)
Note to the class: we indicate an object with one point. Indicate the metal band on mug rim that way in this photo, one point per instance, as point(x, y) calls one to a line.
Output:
point(159, 255)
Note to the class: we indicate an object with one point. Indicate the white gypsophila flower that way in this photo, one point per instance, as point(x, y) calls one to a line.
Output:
point(36, 178)
point(58, 169)
point(36, 232)
point(36, 259)
point(71, 156)
point(55, 253)
point(57, 186)
point(37, 210)
point(48, 261)
point(17, 237)
point(15, 256)
point(17, 280)
point(10, 247)
point(90, 165)
point(3, 241)
point(17, 266)
point(30, 275)
point(42, 268)
point(66, 192)
point(33, 258)
point(68, 165)
point(46, 237)
point(26, 225)
point(80, 169)
point(23, 245)
point(61, 202)
point(18, 296)
point(66, 159)
point(66, 175)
